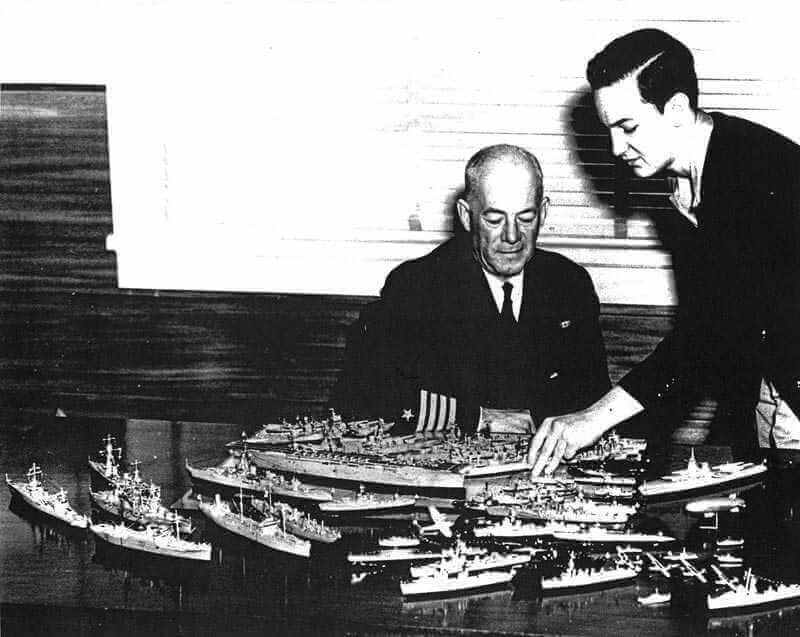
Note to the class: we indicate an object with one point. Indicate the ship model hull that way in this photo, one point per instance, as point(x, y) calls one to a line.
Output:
point(352, 470)
point(137, 541)
point(444, 586)
point(72, 519)
point(265, 535)
point(127, 513)
point(664, 488)
point(592, 581)
point(258, 485)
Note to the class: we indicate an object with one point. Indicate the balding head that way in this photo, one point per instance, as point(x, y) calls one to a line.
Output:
point(503, 207)
point(496, 158)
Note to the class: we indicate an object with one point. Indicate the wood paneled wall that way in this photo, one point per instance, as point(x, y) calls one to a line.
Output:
point(71, 340)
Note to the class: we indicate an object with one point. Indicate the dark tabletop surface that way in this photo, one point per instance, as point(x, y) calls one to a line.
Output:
point(54, 579)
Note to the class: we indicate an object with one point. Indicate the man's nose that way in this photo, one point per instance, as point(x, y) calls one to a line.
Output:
point(510, 231)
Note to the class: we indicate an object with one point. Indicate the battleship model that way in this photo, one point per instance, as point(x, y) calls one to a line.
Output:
point(575, 578)
point(153, 539)
point(600, 535)
point(363, 502)
point(56, 505)
point(297, 522)
point(698, 476)
point(235, 472)
point(443, 582)
point(753, 591)
point(140, 507)
point(411, 461)
point(266, 532)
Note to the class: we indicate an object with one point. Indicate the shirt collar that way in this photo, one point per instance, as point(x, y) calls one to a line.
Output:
point(496, 286)
point(686, 191)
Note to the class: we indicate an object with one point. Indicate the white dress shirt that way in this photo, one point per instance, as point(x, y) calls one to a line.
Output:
point(496, 286)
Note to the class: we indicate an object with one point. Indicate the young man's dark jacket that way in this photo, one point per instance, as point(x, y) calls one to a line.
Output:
point(436, 327)
point(741, 319)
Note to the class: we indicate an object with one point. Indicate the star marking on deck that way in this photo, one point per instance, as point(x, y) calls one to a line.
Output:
point(407, 415)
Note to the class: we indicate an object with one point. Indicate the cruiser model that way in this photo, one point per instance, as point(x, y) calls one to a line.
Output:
point(697, 476)
point(153, 539)
point(36, 496)
point(142, 508)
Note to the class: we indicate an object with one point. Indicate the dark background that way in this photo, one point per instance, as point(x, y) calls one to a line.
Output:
point(72, 341)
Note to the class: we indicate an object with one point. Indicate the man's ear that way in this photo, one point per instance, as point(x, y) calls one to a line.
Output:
point(678, 110)
point(543, 208)
point(464, 215)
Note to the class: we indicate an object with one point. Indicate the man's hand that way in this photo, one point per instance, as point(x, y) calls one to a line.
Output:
point(563, 436)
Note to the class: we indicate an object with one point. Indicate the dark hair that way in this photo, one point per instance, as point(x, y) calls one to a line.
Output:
point(664, 66)
point(479, 163)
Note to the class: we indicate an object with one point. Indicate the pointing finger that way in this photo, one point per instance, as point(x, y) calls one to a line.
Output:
point(558, 454)
point(537, 440)
point(547, 450)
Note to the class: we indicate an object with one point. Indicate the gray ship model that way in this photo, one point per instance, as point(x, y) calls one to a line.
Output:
point(411, 462)
point(33, 493)
point(154, 540)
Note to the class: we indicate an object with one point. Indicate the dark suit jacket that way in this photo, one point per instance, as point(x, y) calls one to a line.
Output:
point(742, 318)
point(435, 328)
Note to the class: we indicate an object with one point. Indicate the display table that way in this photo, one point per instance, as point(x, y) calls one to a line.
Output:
point(57, 581)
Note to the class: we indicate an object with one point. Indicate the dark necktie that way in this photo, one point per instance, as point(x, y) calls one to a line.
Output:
point(507, 319)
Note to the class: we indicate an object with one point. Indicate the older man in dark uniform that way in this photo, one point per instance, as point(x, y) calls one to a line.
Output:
point(487, 329)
